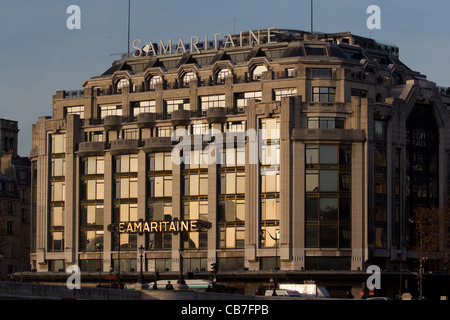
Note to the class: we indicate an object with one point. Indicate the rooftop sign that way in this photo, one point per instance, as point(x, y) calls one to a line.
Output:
point(194, 46)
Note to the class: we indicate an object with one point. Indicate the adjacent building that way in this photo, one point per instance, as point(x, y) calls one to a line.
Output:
point(324, 146)
point(15, 203)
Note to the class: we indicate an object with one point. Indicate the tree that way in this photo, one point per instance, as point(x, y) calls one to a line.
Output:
point(432, 238)
point(432, 234)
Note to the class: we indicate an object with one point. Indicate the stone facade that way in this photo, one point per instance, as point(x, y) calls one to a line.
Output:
point(337, 195)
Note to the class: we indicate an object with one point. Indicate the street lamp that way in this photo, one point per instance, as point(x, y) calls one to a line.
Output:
point(141, 251)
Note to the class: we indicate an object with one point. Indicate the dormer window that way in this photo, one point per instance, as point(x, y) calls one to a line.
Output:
point(188, 77)
point(257, 73)
point(222, 74)
point(120, 84)
point(153, 81)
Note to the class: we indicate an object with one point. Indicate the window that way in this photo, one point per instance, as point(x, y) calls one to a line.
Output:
point(242, 98)
point(159, 197)
point(323, 94)
point(130, 134)
point(326, 123)
point(315, 50)
point(164, 131)
point(188, 77)
point(178, 104)
point(269, 180)
point(195, 197)
point(279, 93)
point(91, 203)
point(144, 107)
point(231, 205)
point(95, 136)
point(58, 143)
point(257, 73)
point(110, 110)
point(120, 84)
point(321, 73)
point(328, 202)
point(125, 193)
point(153, 81)
point(57, 193)
point(222, 74)
point(79, 110)
point(212, 102)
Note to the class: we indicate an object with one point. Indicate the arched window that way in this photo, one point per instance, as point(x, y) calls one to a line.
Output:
point(222, 74)
point(257, 72)
point(188, 77)
point(120, 84)
point(153, 81)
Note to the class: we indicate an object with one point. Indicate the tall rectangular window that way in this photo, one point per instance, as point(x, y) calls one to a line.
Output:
point(57, 192)
point(380, 183)
point(91, 222)
point(328, 196)
point(269, 133)
point(159, 197)
point(195, 197)
point(125, 194)
point(231, 205)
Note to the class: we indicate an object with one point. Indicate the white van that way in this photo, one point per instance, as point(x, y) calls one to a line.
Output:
point(284, 293)
point(307, 290)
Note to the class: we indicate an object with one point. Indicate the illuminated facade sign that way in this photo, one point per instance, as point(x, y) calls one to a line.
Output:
point(171, 226)
point(161, 48)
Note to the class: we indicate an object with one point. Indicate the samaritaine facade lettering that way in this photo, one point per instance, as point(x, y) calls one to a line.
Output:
point(161, 48)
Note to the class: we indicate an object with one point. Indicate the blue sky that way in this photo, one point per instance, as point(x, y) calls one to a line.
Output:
point(40, 55)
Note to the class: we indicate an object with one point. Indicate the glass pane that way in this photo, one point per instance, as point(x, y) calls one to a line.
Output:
point(312, 236)
point(134, 163)
point(230, 214)
point(193, 210)
point(203, 184)
point(328, 236)
point(124, 188)
point(100, 165)
point(133, 187)
point(193, 184)
point(133, 212)
point(271, 206)
point(240, 210)
point(125, 163)
point(312, 181)
point(328, 209)
point(329, 180)
point(312, 154)
point(329, 154)
point(159, 161)
point(312, 209)
point(240, 183)
point(230, 237)
point(100, 190)
point(168, 186)
point(230, 183)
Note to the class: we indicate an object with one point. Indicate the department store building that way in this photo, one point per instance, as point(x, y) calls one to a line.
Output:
point(324, 145)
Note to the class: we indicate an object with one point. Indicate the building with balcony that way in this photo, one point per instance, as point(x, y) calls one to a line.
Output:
point(347, 142)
